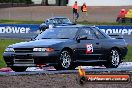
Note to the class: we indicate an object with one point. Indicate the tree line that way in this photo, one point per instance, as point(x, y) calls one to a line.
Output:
point(16, 1)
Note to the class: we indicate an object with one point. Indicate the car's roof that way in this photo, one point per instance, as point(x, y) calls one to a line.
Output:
point(74, 26)
point(70, 26)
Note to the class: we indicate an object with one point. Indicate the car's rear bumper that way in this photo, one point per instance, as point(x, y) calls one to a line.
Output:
point(30, 59)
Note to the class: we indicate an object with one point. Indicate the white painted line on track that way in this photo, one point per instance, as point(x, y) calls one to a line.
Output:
point(122, 65)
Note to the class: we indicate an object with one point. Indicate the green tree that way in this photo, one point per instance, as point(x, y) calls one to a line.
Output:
point(16, 1)
point(29, 2)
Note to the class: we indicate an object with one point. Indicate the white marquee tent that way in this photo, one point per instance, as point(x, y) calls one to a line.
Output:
point(92, 2)
point(102, 2)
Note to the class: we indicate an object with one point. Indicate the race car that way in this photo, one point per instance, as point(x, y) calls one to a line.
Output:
point(66, 48)
point(55, 21)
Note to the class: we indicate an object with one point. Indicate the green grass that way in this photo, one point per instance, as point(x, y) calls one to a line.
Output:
point(129, 54)
point(5, 42)
point(19, 22)
point(104, 23)
point(39, 22)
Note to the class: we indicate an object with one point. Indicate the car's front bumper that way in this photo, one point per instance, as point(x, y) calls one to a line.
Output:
point(30, 59)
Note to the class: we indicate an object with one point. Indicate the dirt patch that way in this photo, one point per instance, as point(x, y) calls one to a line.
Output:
point(52, 81)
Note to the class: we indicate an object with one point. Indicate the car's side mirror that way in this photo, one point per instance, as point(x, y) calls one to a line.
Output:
point(90, 37)
point(32, 39)
point(83, 37)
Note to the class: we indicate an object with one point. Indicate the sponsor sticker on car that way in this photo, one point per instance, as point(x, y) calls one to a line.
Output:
point(89, 48)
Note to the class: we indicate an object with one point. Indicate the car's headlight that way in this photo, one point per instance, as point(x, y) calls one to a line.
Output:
point(43, 49)
point(9, 50)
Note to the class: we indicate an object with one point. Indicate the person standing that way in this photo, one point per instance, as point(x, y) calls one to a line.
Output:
point(75, 11)
point(121, 16)
point(84, 10)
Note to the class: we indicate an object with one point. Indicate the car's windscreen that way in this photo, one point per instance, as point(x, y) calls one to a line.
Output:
point(62, 20)
point(58, 33)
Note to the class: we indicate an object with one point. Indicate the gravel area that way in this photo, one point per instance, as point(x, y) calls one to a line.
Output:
point(53, 81)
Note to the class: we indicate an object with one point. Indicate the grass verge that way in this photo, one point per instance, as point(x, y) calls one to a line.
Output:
point(129, 54)
point(39, 22)
point(19, 22)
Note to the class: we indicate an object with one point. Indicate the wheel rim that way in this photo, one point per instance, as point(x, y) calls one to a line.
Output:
point(115, 57)
point(65, 59)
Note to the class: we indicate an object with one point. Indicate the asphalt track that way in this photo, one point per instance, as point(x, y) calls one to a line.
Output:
point(18, 35)
point(123, 67)
point(96, 70)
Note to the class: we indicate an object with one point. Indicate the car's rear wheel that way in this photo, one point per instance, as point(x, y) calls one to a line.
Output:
point(114, 59)
point(65, 61)
point(19, 69)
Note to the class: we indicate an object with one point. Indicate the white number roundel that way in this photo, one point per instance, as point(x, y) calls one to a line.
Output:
point(89, 48)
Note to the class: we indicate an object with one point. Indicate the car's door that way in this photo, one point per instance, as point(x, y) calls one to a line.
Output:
point(104, 42)
point(89, 48)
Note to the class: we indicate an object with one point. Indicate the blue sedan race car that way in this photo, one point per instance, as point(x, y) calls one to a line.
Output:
point(66, 48)
point(55, 21)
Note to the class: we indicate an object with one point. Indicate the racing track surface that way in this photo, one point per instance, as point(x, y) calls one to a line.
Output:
point(50, 78)
point(96, 70)
point(123, 67)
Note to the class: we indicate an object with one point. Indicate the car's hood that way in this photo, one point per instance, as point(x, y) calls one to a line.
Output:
point(38, 43)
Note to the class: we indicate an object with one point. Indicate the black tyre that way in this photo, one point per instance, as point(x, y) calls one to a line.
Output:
point(19, 69)
point(114, 59)
point(65, 61)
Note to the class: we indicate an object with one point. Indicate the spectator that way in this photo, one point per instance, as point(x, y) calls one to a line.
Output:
point(121, 16)
point(84, 10)
point(75, 11)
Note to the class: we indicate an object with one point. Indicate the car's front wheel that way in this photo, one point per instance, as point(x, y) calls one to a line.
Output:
point(65, 61)
point(19, 69)
point(114, 59)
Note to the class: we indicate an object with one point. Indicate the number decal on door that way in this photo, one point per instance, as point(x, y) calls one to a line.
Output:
point(89, 48)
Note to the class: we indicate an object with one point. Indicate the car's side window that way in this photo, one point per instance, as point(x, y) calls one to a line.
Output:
point(88, 32)
point(99, 34)
point(51, 21)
